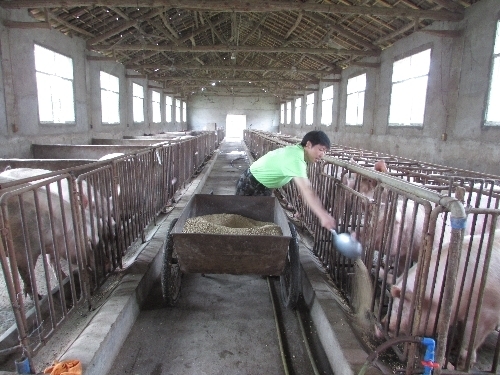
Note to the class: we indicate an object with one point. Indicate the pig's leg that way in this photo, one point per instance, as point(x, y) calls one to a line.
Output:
point(487, 323)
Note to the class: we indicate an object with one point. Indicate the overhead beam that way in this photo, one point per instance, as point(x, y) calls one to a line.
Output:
point(243, 6)
point(26, 25)
point(443, 33)
point(230, 80)
point(236, 49)
point(100, 58)
point(255, 80)
point(229, 68)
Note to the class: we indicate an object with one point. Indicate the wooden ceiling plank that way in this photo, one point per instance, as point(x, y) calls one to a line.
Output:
point(344, 32)
point(69, 25)
point(173, 34)
point(256, 27)
point(245, 6)
point(214, 30)
point(297, 21)
point(117, 30)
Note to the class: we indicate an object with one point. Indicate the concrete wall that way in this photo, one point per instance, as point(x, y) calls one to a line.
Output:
point(453, 133)
point(19, 121)
point(262, 113)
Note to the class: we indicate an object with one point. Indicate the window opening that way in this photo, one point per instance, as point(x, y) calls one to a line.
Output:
point(168, 108)
point(327, 106)
point(310, 109)
point(298, 105)
point(156, 105)
point(409, 89)
point(138, 102)
point(55, 88)
point(493, 108)
point(356, 87)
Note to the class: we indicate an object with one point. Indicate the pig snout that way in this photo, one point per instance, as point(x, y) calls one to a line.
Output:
point(378, 333)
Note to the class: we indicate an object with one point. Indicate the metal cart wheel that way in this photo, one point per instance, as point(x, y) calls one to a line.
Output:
point(290, 278)
point(171, 271)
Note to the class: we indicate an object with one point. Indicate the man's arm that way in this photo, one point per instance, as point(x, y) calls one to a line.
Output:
point(312, 200)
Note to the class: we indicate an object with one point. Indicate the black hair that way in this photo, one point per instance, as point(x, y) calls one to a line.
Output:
point(316, 137)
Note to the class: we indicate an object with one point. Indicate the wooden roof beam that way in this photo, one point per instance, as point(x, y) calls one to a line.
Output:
point(173, 34)
point(261, 6)
point(232, 80)
point(225, 48)
point(26, 25)
point(229, 68)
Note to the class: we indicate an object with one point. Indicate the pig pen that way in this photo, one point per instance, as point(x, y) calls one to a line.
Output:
point(91, 212)
point(404, 213)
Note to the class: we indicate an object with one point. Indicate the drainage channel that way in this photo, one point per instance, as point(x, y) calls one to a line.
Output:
point(300, 347)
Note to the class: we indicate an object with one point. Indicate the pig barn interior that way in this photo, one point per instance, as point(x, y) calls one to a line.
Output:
point(115, 114)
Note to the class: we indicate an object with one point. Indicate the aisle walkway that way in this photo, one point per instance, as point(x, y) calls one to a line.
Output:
point(222, 324)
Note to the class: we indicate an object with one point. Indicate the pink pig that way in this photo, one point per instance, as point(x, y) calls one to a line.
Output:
point(489, 314)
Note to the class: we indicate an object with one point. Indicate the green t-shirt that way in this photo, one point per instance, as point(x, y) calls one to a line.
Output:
point(278, 167)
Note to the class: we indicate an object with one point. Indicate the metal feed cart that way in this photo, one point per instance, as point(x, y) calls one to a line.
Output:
point(232, 254)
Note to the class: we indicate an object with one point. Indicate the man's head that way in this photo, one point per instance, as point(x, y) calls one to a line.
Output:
point(316, 137)
point(316, 143)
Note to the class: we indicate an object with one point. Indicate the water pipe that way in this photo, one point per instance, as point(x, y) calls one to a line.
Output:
point(427, 362)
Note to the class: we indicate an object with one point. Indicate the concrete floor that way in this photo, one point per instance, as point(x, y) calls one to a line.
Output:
point(222, 324)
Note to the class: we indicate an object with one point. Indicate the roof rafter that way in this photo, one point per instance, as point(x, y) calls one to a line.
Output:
point(225, 48)
point(242, 6)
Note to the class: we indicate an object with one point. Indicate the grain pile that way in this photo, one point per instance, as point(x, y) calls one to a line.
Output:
point(230, 224)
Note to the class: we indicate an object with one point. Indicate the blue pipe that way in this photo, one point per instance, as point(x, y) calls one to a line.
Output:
point(428, 361)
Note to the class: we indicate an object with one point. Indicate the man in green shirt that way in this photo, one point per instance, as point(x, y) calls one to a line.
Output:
point(280, 166)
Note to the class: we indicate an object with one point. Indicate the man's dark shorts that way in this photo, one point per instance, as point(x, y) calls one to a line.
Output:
point(248, 185)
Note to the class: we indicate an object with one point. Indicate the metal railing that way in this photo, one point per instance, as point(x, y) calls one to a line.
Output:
point(412, 229)
point(79, 223)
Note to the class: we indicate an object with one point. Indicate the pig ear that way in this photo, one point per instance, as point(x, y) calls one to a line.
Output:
point(380, 166)
point(396, 291)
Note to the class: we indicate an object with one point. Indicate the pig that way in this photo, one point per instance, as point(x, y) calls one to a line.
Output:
point(94, 227)
point(57, 243)
point(87, 203)
point(407, 226)
point(366, 185)
point(489, 314)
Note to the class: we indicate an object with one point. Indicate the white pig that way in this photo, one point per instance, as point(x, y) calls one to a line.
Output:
point(34, 230)
point(489, 314)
